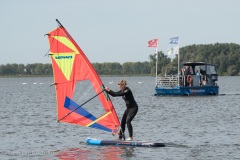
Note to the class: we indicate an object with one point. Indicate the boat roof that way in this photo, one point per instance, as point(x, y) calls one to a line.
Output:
point(195, 63)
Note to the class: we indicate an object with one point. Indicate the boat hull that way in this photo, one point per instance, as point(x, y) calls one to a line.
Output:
point(188, 91)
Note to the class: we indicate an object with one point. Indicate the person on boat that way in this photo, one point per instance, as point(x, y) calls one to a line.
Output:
point(187, 71)
point(188, 77)
point(198, 74)
point(131, 110)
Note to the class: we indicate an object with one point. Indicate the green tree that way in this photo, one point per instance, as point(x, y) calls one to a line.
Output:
point(127, 68)
point(21, 69)
point(163, 60)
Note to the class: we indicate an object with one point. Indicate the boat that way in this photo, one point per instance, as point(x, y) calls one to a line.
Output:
point(71, 67)
point(196, 78)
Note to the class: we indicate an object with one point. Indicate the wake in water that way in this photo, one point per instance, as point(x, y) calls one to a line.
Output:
point(229, 94)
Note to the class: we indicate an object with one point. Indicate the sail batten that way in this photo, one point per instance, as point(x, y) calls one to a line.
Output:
point(70, 65)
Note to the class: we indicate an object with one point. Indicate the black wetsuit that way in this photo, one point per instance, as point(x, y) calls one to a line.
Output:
point(130, 112)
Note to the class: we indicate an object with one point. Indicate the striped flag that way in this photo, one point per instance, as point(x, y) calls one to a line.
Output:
point(173, 40)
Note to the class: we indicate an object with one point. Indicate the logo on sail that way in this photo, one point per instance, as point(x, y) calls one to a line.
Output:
point(63, 57)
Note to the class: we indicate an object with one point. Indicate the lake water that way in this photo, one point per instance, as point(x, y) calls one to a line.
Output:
point(192, 127)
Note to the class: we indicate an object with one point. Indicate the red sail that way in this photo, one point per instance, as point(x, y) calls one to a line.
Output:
point(70, 65)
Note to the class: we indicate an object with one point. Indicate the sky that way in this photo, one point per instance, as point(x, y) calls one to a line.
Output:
point(114, 31)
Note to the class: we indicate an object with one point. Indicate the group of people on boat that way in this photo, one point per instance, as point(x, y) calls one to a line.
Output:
point(187, 73)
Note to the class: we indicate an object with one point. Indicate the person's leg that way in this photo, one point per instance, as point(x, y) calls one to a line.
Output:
point(131, 114)
point(123, 123)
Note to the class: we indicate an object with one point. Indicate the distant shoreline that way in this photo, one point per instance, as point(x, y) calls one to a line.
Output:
point(24, 76)
point(29, 76)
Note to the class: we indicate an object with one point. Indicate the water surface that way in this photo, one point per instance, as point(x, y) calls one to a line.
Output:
point(192, 127)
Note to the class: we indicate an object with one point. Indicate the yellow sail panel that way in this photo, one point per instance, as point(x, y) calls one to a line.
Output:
point(65, 63)
point(67, 42)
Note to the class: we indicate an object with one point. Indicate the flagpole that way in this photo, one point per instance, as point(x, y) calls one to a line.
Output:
point(178, 62)
point(154, 43)
point(156, 51)
point(175, 40)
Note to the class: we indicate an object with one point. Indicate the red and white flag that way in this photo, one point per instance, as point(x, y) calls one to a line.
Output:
point(153, 43)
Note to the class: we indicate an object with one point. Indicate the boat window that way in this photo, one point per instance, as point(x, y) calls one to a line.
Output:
point(200, 69)
point(211, 69)
point(197, 69)
point(191, 69)
point(188, 70)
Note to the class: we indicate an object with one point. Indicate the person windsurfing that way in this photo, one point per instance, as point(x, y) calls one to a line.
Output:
point(131, 110)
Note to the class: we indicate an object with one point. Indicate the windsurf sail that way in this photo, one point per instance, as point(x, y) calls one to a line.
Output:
point(70, 65)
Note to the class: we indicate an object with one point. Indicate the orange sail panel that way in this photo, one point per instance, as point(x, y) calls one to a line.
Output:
point(70, 65)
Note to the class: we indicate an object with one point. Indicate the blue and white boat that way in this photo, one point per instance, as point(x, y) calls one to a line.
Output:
point(196, 78)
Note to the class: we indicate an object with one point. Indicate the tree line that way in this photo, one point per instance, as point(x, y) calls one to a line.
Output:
point(29, 69)
point(226, 57)
point(127, 68)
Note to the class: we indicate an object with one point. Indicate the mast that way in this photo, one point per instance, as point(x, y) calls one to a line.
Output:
point(59, 23)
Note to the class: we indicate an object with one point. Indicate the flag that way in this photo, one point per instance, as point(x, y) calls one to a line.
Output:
point(173, 50)
point(173, 40)
point(170, 51)
point(153, 43)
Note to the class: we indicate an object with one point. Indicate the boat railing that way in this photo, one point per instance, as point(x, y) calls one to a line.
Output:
point(170, 81)
point(167, 81)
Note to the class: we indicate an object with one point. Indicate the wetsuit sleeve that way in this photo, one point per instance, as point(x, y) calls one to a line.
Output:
point(119, 93)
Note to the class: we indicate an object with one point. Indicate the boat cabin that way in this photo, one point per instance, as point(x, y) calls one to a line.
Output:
point(198, 74)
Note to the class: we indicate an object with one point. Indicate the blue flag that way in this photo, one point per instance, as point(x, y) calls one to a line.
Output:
point(173, 40)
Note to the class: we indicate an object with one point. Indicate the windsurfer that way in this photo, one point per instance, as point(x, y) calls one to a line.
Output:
point(131, 110)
